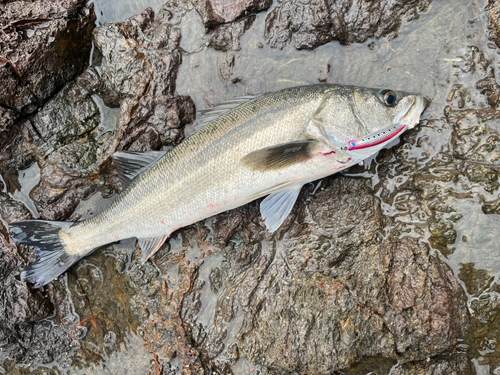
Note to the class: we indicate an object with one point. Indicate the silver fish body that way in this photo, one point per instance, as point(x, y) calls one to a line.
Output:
point(271, 145)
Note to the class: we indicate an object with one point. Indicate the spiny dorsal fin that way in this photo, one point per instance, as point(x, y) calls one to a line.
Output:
point(131, 163)
point(150, 245)
point(210, 114)
point(280, 156)
point(277, 206)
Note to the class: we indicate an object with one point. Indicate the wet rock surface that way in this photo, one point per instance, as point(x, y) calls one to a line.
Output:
point(315, 23)
point(140, 57)
point(227, 37)
point(23, 339)
point(43, 45)
point(227, 21)
point(360, 277)
point(216, 12)
point(323, 297)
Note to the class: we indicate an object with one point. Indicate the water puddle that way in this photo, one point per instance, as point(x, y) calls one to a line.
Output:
point(28, 179)
point(130, 358)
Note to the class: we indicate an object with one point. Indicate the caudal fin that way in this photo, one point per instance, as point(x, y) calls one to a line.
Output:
point(51, 256)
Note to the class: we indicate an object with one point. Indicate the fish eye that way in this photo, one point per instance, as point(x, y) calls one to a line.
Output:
point(389, 98)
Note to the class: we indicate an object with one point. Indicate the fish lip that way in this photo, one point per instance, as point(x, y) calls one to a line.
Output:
point(410, 116)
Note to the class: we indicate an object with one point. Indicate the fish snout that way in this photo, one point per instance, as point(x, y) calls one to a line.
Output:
point(410, 116)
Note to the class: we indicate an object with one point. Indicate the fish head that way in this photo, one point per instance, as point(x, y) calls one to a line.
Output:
point(367, 119)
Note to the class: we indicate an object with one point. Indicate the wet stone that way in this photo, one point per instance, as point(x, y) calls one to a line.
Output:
point(216, 12)
point(65, 179)
point(15, 94)
point(455, 364)
point(226, 37)
point(140, 57)
point(154, 121)
point(12, 210)
point(68, 171)
point(493, 9)
point(11, 156)
point(44, 45)
point(7, 118)
point(340, 282)
point(70, 114)
point(315, 23)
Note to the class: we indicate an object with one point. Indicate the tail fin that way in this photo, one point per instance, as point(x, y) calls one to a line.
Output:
point(51, 256)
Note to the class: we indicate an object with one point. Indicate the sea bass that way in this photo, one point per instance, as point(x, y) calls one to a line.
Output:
point(270, 144)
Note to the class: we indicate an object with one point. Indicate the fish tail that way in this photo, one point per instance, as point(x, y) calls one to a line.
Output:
point(52, 259)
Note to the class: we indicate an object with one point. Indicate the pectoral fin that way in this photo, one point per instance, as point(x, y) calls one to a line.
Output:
point(150, 245)
point(277, 206)
point(280, 156)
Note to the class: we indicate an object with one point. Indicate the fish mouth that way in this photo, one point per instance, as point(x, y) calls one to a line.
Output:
point(410, 116)
point(406, 119)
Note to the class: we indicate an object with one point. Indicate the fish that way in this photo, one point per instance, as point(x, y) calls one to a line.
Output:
point(254, 146)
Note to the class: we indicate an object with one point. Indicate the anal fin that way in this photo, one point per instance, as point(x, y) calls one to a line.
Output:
point(150, 245)
point(276, 207)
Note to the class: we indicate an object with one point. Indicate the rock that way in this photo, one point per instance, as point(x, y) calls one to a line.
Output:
point(315, 23)
point(226, 21)
point(70, 114)
point(358, 295)
point(493, 8)
point(67, 154)
point(457, 364)
point(7, 118)
point(67, 176)
point(18, 303)
point(154, 121)
point(226, 64)
point(12, 210)
point(226, 37)
point(140, 57)
point(14, 94)
point(44, 45)
point(216, 12)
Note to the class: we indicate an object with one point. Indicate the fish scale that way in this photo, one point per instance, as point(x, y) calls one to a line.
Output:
point(272, 145)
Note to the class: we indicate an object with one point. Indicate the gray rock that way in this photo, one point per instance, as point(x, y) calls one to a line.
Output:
point(140, 57)
point(333, 291)
point(44, 45)
point(226, 37)
point(457, 364)
point(315, 23)
point(216, 12)
point(70, 114)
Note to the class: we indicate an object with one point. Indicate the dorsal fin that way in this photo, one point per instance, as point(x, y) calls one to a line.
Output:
point(210, 114)
point(130, 163)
